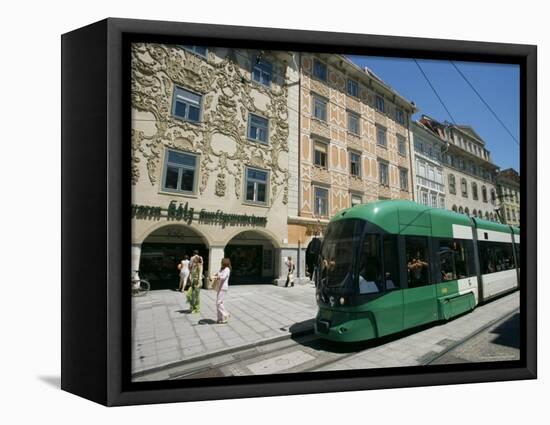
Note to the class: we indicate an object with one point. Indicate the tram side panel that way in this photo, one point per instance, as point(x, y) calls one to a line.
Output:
point(497, 263)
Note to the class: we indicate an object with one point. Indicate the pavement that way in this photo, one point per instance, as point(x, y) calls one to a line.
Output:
point(165, 333)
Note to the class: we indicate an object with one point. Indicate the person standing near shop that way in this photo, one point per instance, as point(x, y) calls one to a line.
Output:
point(183, 267)
point(222, 287)
point(290, 275)
point(193, 294)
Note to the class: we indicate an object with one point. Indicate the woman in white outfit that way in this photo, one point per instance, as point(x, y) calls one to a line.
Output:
point(183, 267)
point(223, 275)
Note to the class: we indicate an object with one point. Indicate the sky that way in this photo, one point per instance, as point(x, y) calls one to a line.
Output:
point(498, 84)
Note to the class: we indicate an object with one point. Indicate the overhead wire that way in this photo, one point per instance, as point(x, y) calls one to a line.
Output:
point(484, 102)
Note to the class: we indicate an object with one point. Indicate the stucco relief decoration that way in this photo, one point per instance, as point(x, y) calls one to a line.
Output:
point(227, 99)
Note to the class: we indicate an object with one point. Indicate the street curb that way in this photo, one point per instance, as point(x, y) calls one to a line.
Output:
point(307, 330)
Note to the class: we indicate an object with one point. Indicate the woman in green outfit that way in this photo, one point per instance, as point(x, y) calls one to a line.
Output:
point(193, 294)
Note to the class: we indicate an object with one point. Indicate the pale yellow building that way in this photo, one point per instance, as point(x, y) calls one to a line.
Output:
point(212, 130)
point(508, 193)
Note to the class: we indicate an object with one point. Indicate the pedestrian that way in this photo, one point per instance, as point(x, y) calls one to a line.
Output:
point(290, 275)
point(193, 294)
point(222, 286)
point(183, 267)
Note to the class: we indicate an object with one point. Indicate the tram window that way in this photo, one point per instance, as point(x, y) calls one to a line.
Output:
point(496, 257)
point(418, 268)
point(370, 271)
point(391, 263)
point(456, 259)
point(446, 260)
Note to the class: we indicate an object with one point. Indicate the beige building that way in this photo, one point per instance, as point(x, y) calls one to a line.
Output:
point(212, 130)
point(508, 189)
point(354, 144)
point(469, 171)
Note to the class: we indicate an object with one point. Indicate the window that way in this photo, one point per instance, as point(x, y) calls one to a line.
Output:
point(381, 135)
point(353, 123)
point(514, 215)
point(452, 184)
point(256, 185)
point(379, 103)
point(198, 50)
point(355, 164)
point(356, 200)
point(401, 145)
point(370, 270)
point(425, 198)
point(179, 172)
point(353, 88)
point(320, 201)
point(456, 260)
point(467, 211)
point(319, 70)
point(441, 202)
point(319, 108)
point(474, 191)
point(320, 156)
point(391, 262)
point(404, 179)
point(464, 187)
point(461, 164)
point(433, 200)
point(484, 193)
point(383, 173)
point(258, 128)
point(186, 105)
point(508, 214)
point(493, 195)
point(495, 256)
point(262, 71)
point(400, 116)
point(418, 267)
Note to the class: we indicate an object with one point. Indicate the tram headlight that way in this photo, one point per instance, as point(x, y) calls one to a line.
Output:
point(342, 301)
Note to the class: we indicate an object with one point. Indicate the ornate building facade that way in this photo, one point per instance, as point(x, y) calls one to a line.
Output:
point(508, 190)
point(354, 144)
point(212, 130)
point(429, 182)
point(469, 171)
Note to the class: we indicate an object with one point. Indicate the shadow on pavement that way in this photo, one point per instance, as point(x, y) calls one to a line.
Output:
point(298, 330)
point(508, 332)
point(188, 311)
point(207, 322)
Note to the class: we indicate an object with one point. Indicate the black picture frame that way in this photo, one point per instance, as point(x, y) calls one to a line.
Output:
point(96, 217)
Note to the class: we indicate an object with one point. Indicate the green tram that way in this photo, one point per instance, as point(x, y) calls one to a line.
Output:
point(392, 265)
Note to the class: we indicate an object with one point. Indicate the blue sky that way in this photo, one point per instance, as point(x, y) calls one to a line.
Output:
point(498, 84)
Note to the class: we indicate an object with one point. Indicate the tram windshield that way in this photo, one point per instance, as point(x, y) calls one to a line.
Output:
point(338, 252)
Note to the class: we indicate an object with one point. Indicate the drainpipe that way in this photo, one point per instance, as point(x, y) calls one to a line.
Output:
point(413, 173)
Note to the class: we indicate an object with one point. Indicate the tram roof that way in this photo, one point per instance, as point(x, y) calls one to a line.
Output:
point(410, 218)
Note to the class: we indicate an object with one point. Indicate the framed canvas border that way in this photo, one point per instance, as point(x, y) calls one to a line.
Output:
point(96, 314)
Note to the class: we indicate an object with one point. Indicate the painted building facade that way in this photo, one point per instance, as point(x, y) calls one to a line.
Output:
point(429, 181)
point(354, 145)
point(212, 130)
point(469, 171)
point(508, 193)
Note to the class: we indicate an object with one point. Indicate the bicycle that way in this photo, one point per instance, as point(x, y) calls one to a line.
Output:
point(139, 286)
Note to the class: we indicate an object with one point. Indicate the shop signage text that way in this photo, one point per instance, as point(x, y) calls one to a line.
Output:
point(185, 213)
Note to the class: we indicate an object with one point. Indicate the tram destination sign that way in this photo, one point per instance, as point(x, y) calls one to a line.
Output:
point(180, 212)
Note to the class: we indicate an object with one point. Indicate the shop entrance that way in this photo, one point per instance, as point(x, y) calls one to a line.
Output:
point(252, 258)
point(163, 249)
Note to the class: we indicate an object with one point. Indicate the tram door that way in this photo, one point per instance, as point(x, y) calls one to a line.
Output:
point(419, 299)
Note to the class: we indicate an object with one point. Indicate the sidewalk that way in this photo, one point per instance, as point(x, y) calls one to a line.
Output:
point(164, 332)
